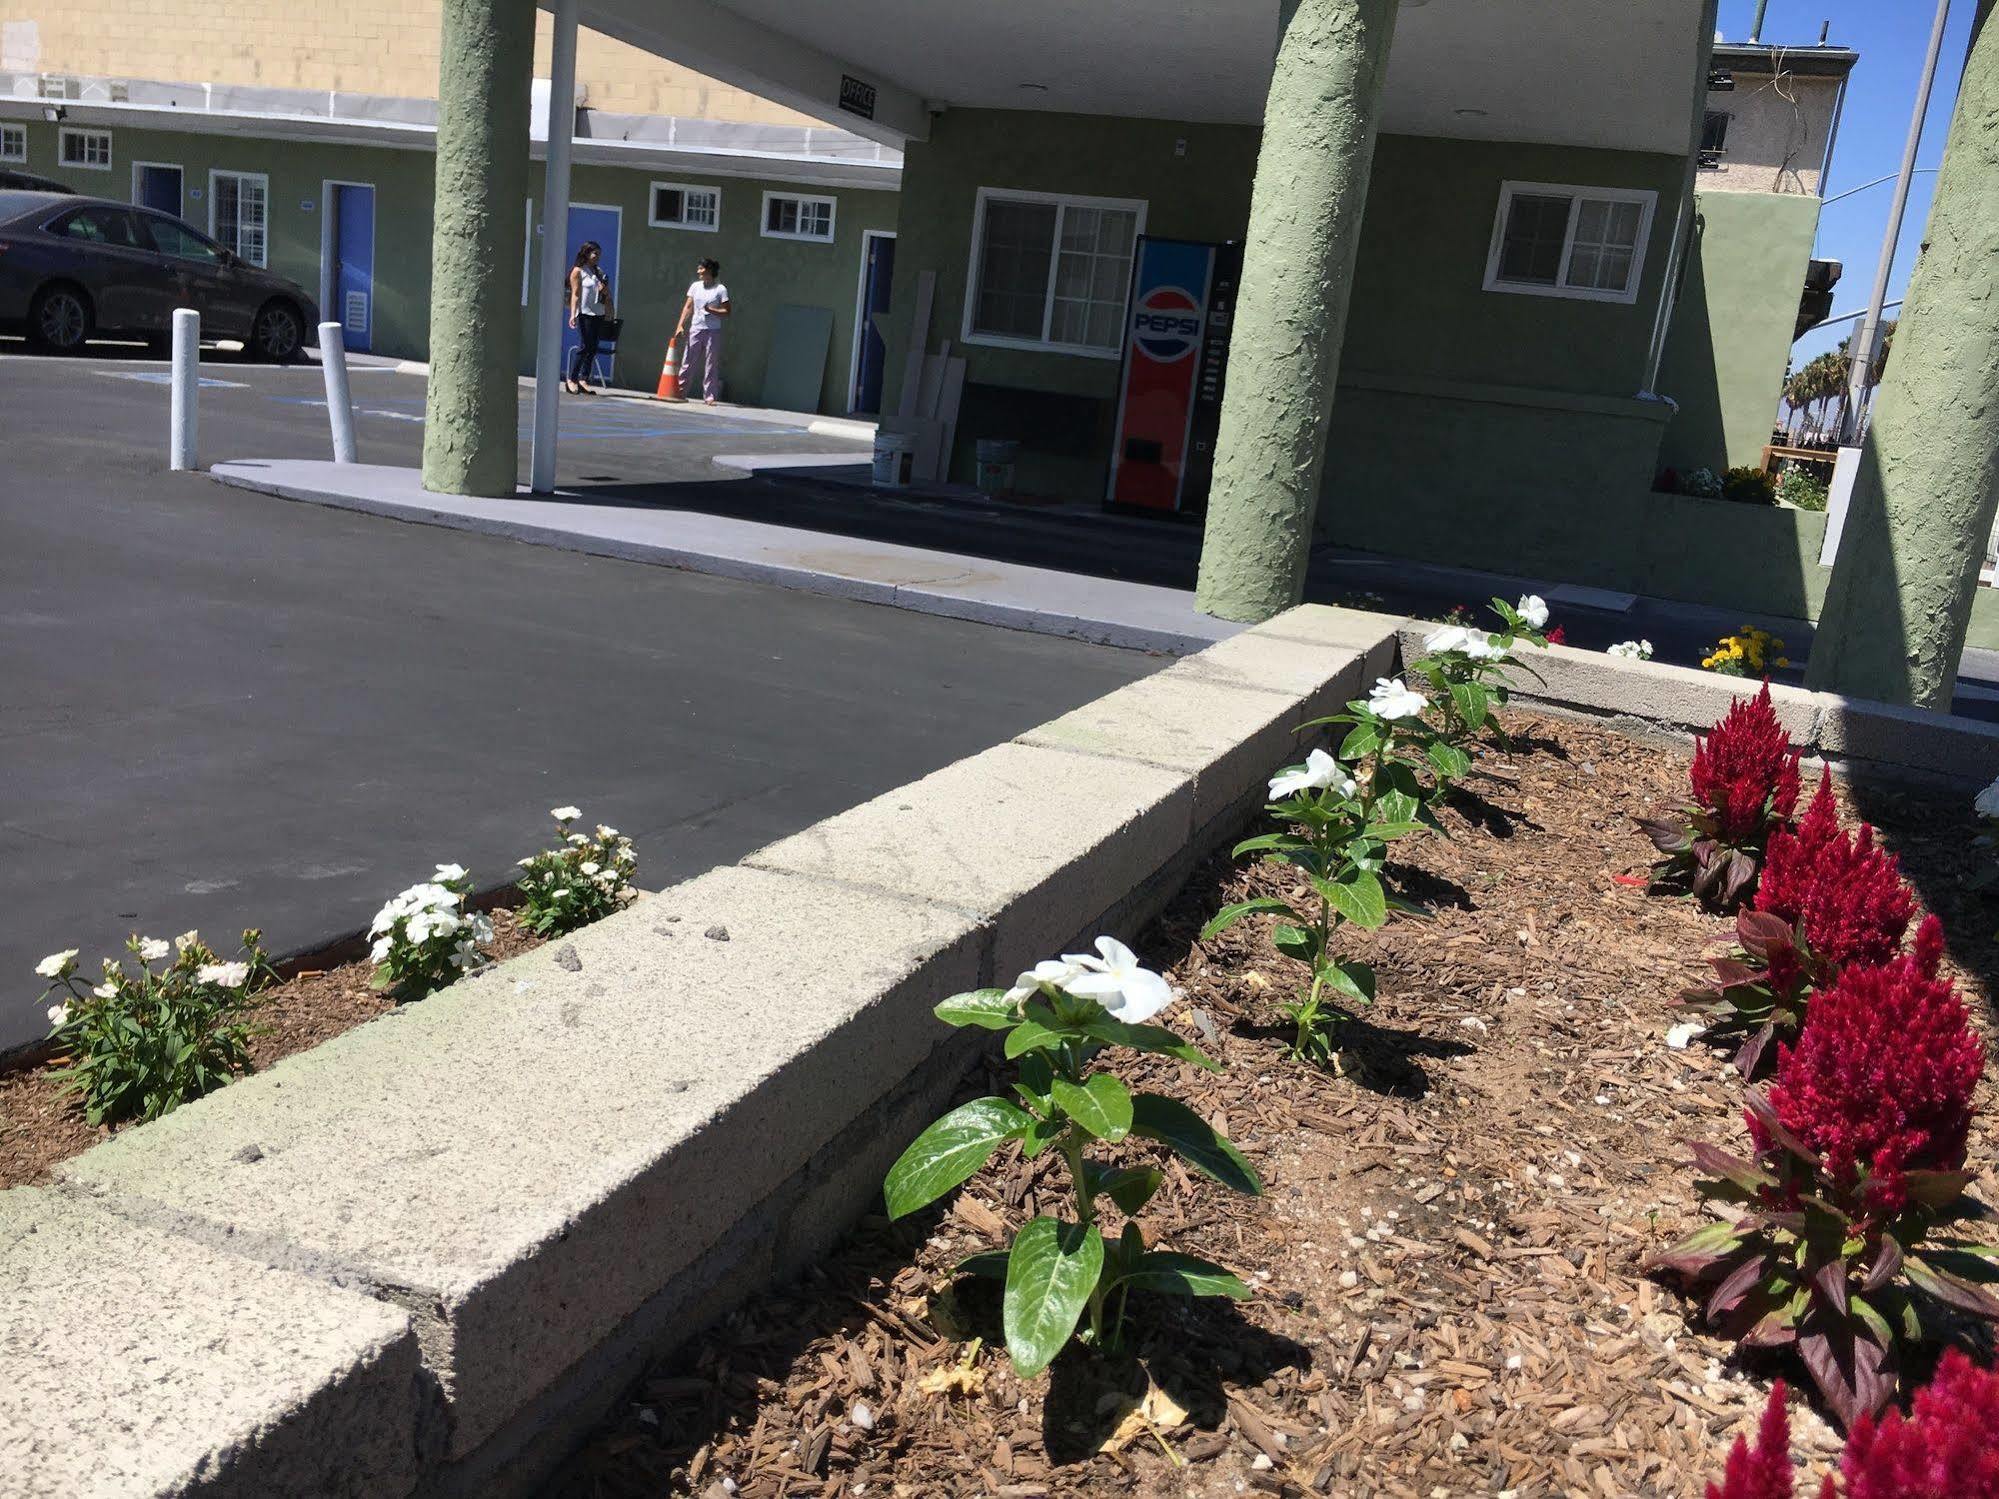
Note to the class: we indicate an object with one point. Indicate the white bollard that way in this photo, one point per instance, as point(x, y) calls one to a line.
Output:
point(183, 423)
point(339, 405)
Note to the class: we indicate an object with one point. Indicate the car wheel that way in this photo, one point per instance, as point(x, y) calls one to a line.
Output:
point(59, 321)
point(277, 335)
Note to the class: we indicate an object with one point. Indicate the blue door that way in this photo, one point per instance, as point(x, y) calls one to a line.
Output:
point(880, 272)
point(353, 280)
point(158, 188)
point(586, 221)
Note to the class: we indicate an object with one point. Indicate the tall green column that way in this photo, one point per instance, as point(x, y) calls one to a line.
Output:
point(1916, 527)
point(1298, 262)
point(471, 415)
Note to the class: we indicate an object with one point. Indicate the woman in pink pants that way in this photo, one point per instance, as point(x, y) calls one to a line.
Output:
point(701, 320)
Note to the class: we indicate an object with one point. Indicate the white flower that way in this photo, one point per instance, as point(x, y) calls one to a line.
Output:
point(228, 975)
point(186, 940)
point(105, 990)
point(1534, 609)
point(1118, 983)
point(1319, 770)
point(58, 1015)
point(1047, 971)
point(1680, 1036)
point(1449, 638)
point(1392, 700)
point(565, 814)
point(1987, 802)
point(589, 866)
point(152, 949)
point(1632, 650)
point(380, 950)
point(56, 964)
point(604, 832)
point(448, 874)
point(1482, 647)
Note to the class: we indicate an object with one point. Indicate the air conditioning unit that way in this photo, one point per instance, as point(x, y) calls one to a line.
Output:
point(60, 86)
point(121, 91)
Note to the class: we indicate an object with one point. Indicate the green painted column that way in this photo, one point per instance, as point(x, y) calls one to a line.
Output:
point(1298, 263)
point(471, 415)
point(1899, 602)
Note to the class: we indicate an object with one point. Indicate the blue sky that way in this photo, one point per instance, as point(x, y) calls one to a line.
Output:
point(1891, 39)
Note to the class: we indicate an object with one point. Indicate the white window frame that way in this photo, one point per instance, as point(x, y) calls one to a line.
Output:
point(1646, 199)
point(1044, 345)
point(263, 180)
point(16, 130)
point(69, 133)
point(683, 188)
point(832, 218)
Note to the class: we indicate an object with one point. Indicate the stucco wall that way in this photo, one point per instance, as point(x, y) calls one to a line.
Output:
point(1734, 324)
point(1776, 133)
point(361, 46)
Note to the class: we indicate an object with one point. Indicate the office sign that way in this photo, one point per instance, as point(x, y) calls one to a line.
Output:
point(856, 97)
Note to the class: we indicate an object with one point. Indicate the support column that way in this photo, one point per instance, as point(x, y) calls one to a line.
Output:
point(1298, 262)
point(471, 414)
point(1899, 603)
point(561, 130)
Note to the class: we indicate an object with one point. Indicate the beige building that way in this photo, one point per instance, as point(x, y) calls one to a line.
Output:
point(381, 47)
point(1772, 115)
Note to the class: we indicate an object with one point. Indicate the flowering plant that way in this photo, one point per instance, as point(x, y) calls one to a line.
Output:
point(1826, 898)
point(1701, 483)
point(1797, 488)
point(147, 1038)
point(1748, 652)
point(1762, 1471)
point(580, 880)
point(1058, 1018)
point(425, 937)
point(1631, 650)
point(1470, 670)
point(1823, 1242)
point(1745, 784)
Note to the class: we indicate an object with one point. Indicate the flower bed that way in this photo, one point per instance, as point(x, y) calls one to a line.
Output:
point(1446, 1265)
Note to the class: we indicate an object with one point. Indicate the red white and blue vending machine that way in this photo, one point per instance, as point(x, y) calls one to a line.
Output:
point(1176, 356)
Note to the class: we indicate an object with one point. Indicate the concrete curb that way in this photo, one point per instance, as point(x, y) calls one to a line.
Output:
point(504, 1198)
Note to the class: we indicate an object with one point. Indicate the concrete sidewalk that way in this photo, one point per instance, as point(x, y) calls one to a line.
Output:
point(1018, 596)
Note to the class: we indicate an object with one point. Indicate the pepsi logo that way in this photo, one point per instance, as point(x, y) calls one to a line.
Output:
point(1166, 324)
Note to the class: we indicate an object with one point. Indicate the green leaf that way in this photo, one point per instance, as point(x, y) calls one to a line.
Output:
point(1228, 916)
point(950, 1151)
point(1183, 1275)
point(1950, 1290)
point(1359, 898)
point(989, 1264)
point(1130, 1187)
point(1296, 942)
point(1473, 702)
point(988, 1009)
point(1394, 806)
point(1041, 1134)
point(1049, 1276)
point(1450, 762)
point(1101, 1105)
point(1033, 1035)
point(1354, 981)
point(1153, 1038)
point(1361, 741)
point(1172, 1123)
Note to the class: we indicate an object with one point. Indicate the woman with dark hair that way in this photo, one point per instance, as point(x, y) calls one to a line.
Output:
point(701, 320)
point(589, 306)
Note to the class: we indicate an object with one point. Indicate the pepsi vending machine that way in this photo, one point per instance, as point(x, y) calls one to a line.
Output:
point(1176, 355)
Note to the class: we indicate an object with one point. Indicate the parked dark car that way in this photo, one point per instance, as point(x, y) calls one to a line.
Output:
point(74, 268)
point(32, 182)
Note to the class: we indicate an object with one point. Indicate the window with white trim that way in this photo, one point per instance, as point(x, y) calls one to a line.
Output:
point(676, 205)
point(788, 216)
point(13, 142)
point(88, 149)
point(1051, 272)
point(1553, 240)
point(239, 213)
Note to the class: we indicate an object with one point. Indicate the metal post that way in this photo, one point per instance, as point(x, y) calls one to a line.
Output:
point(1756, 26)
point(339, 405)
point(554, 245)
point(1862, 347)
point(183, 423)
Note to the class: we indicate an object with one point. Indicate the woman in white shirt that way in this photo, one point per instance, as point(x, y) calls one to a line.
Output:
point(589, 306)
point(707, 304)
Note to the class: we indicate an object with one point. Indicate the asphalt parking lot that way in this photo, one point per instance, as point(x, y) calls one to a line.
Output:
point(220, 710)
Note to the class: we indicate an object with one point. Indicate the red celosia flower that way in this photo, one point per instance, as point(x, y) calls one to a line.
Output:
point(1558, 636)
point(1745, 772)
point(1882, 1076)
point(1944, 1450)
point(1847, 894)
point(1762, 1471)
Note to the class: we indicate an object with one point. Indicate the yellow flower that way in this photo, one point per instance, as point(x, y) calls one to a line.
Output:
point(1783, 660)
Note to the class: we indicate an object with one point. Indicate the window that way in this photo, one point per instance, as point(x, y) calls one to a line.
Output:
point(675, 205)
point(89, 149)
point(1050, 272)
point(1556, 241)
point(238, 213)
point(172, 237)
point(790, 217)
point(1714, 137)
point(100, 226)
point(13, 142)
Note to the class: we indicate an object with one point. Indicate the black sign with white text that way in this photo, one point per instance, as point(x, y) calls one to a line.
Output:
point(856, 97)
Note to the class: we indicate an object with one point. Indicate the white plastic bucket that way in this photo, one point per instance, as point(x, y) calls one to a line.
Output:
point(997, 456)
point(895, 452)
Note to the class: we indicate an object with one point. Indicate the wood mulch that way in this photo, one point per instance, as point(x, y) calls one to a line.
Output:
point(1448, 1299)
point(40, 1124)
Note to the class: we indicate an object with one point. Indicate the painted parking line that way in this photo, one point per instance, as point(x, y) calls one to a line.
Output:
point(164, 377)
point(596, 426)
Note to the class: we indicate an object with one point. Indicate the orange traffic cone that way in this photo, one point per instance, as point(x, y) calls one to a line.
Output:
point(669, 377)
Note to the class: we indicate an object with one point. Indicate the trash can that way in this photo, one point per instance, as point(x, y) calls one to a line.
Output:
point(895, 452)
point(997, 456)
